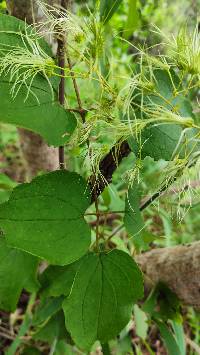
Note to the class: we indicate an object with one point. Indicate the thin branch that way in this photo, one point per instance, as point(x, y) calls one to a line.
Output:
point(7, 336)
point(100, 213)
point(97, 221)
point(165, 186)
point(61, 93)
point(107, 219)
point(193, 345)
point(61, 61)
point(116, 230)
point(76, 89)
point(157, 194)
point(24, 327)
point(77, 110)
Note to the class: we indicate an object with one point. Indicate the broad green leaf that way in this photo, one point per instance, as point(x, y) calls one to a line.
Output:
point(133, 220)
point(160, 141)
point(104, 290)
point(32, 284)
point(46, 309)
point(53, 329)
point(132, 20)
point(108, 8)
point(58, 280)
point(38, 117)
point(16, 267)
point(13, 33)
point(46, 217)
point(169, 339)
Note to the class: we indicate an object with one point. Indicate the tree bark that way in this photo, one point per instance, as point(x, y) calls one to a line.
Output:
point(178, 267)
point(38, 156)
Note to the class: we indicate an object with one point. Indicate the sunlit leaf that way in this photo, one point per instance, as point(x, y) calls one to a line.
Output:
point(46, 217)
point(100, 302)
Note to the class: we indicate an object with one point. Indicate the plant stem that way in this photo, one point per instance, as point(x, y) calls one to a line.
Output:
point(61, 93)
point(116, 230)
point(157, 194)
point(76, 89)
point(24, 327)
point(97, 221)
point(104, 213)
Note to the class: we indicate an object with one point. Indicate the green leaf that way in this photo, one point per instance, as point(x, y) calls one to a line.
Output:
point(6, 183)
point(13, 31)
point(62, 348)
point(6, 186)
point(163, 304)
point(106, 349)
point(169, 339)
point(46, 217)
point(16, 267)
point(169, 304)
point(141, 325)
point(38, 117)
point(133, 220)
point(160, 142)
point(53, 329)
point(31, 351)
point(58, 280)
point(100, 302)
point(150, 303)
point(46, 309)
point(108, 8)
point(180, 336)
point(132, 20)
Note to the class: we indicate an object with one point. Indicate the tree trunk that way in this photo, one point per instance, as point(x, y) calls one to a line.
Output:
point(178, 267)
point(36, 153)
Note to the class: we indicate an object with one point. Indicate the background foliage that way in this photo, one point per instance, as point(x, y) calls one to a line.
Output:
point(171, 221)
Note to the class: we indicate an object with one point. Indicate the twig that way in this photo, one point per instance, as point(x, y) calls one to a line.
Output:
point(77, 110)
point(193, 345)
point(61, 92)
point(23, 328)
point(76, 89)
point(7, 336)
point(116, 230)
point(156, 195)
point(98, 220)
point(104, 213)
